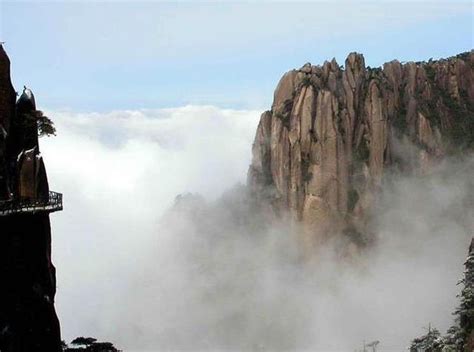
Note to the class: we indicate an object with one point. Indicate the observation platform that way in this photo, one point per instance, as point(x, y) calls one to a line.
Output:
point(32, 206)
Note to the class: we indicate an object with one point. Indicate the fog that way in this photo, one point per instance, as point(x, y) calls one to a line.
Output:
point(149, 271)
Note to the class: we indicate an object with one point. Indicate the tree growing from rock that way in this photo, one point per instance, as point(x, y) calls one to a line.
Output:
point(431, 342)
point(460, 336)
point(44, 123)
point(89, 344)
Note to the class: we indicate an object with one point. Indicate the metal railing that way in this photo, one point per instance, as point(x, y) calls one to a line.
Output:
point(19, 206)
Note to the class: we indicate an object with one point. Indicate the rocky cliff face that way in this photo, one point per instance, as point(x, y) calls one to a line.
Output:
point(321, 152)
point(28, 320)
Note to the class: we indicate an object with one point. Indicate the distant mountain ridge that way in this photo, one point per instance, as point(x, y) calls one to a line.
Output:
point(321, 152)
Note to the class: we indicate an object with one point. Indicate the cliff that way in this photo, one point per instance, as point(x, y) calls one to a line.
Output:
point(28, 320)
point(320, 154)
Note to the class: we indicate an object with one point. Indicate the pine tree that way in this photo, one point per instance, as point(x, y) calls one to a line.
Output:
point(431, 342)
point(44, 123)
point(459, 334)
point(89, 344)
point(40, 123)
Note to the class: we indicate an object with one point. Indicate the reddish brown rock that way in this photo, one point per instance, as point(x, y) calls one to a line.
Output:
point(321, 153)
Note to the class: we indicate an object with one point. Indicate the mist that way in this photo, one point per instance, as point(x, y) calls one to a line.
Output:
point(151, 271)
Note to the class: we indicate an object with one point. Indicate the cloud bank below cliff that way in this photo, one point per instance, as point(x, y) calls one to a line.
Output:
point(205, 275)
point(119, 172)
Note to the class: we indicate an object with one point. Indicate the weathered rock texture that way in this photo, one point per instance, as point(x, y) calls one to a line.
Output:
point(321, 152)
point(28, 320)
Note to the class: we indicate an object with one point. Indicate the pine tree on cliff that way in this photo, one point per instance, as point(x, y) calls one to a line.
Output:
point(89, 344)
point(431, 342)
point(44, 123)
point(459, 335)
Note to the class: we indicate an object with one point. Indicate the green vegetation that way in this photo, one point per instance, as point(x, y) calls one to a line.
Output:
point(430, 108)
point(430, 72)
point(285, 119)
point(457, 337)
point(356, 237)
point(430, 342)
point(352, 199)
point(284, 113)
point(44, 123)
point(362, 153)
point(462, 129)
point(464, 56)
point(88, 344)
point(306, 82)
point(444, 110)
point(400, 121)
point(374, 69)
point(83, 341)
point(306, 174)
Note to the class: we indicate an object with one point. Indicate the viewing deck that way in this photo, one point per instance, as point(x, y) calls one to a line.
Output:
point(32, 206)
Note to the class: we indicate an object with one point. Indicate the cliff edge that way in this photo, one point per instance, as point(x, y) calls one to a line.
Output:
point(28, 320)
point(321, 152)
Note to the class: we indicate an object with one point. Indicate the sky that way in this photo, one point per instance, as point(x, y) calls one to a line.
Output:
point(111, 55)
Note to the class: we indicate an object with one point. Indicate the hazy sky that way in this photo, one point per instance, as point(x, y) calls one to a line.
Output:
point(100, 56)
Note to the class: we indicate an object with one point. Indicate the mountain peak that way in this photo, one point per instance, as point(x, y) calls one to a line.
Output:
point(320, 154)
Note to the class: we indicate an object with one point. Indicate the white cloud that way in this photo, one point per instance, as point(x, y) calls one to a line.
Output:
point(201, 280)
point(119, 171)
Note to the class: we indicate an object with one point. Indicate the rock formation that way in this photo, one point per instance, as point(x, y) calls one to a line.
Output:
point(321, 152)
point(28, 320)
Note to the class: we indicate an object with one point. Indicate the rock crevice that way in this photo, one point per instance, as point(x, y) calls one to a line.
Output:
point(321, 152)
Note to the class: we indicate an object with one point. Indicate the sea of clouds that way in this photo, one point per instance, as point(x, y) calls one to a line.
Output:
point(149, 273)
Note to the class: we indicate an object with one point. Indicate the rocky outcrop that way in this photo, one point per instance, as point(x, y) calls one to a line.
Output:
point(320, 154)
point(7, 111)
point(28, 320)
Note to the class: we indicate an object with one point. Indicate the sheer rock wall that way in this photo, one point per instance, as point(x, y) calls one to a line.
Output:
point(28, 320)
point(321, 152)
